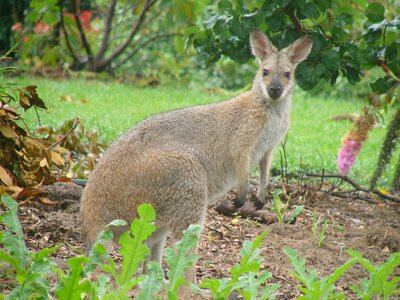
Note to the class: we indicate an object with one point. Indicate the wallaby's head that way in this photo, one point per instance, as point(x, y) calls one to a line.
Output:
point(275, 78)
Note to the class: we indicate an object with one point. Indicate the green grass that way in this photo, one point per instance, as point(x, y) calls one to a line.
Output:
point(112, 107)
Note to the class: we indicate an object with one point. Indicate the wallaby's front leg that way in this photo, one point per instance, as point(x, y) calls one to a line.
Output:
point(243, 183)
point(265, 166)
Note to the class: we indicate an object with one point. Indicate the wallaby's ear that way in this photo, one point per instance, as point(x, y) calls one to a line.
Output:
point(260, 45)
point(299, 50)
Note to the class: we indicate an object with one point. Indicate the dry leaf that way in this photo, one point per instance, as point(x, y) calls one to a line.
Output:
point(43, 163)
point(47, 201)
point(8, 132)
point(5, 177)
point(56, 158)
point(384, 191)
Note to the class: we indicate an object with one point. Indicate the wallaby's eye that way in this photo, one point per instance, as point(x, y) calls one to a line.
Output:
point(287, 75)
point(265, 72)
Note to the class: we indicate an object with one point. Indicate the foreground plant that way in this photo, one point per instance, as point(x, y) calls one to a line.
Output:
point(247, 278)
point(312, 287)
point(26, 271)
point(380, 284)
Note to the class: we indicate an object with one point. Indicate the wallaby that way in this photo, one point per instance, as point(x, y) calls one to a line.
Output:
point(181, 161)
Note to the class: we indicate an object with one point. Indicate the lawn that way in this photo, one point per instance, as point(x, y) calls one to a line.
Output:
point(313, 140)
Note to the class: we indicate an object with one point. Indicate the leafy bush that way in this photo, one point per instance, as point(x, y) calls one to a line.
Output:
point(25, 160)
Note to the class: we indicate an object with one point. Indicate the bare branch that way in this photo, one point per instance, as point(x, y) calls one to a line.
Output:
point(71, 51)
point(297, 25)
point(60, 140)
point(81, 32)
point(118, 51)
point(357, 186)
point(107, 30)
point(142, 44)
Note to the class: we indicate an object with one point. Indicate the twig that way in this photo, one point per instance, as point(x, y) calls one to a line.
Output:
point(357, 186)
point(351, 194)
point(60, 140)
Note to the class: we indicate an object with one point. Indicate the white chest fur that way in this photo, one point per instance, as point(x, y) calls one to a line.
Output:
point(274, 130)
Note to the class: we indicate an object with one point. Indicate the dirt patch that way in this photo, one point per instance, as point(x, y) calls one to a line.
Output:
point(352, 224)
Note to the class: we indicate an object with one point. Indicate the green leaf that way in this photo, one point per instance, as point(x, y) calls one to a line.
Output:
point(181, 257)
point(133, 249)
point(224, 5)
point(151, 283)
point(71, 286)
point(375, 12)
point(295, 213)
point(310, 10)
point(13, 241)
point(383, 85)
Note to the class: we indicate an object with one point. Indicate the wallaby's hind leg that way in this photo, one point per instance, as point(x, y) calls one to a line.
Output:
point(265, 166)
point(156, 244)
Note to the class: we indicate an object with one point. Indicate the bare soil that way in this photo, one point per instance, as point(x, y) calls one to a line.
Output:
point(373, 229)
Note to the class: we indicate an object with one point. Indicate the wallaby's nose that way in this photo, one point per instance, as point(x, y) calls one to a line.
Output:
point(274, 91)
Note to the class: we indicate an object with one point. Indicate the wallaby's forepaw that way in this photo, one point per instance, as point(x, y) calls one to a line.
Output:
point(239, 202)
point(258, 204)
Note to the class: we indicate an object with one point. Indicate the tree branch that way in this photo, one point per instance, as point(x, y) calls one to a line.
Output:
point(81, 32)
point(107, 30)
point(70, 49)
point(141, 45)
point(357, 186)
point(118, 51)
point(297, 25)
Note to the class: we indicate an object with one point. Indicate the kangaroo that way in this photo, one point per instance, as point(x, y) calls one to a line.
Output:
point(181, 161)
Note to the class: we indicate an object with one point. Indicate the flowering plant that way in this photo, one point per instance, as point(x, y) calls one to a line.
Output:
point(353, 141)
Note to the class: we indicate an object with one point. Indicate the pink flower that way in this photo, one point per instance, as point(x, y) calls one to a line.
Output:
point(348, 154)
point(353, 141)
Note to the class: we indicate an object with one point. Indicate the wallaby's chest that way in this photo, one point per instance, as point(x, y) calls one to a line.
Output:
point(273, 133)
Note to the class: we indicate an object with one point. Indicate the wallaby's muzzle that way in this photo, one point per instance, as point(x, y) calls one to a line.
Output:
point(275, 90)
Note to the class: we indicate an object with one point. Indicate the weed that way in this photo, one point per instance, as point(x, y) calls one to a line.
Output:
point(281, 208)
point(312, 287)
point(318, 229)
point(246, 277)
point(378, 285)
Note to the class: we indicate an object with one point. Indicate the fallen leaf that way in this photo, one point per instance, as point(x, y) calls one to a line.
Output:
point(64, 179)
point(47, 201)
point(384, 191)
point(28, 193)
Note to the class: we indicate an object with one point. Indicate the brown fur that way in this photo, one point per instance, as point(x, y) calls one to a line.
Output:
point(181, 161)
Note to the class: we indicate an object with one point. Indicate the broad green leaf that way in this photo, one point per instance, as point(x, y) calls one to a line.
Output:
point(133, 249)
point(152, 282)
point(375, 12)
point(181, 257)
point(73, 285)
